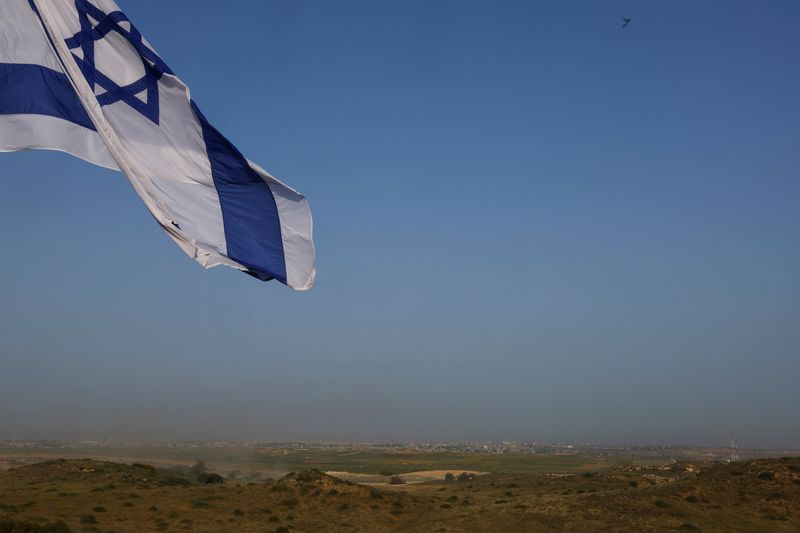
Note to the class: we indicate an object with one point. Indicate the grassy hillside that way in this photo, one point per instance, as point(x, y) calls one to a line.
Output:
point(87, 495)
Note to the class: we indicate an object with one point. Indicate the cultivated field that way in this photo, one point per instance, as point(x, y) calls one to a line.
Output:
point(253, 464)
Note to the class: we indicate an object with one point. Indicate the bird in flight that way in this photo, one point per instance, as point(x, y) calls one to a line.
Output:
point(625, 22)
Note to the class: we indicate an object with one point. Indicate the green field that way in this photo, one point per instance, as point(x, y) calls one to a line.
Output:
point(275, 462)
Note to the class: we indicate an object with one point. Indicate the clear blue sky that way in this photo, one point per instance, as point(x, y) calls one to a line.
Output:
point(530, 223)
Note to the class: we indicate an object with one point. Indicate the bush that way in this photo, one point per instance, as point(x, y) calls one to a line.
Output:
point(99, 509)
point(7, 525)
point(387, 473)
point(692, 499)
point(210, 478)
point(172, 481)
point(449, 477)
point(291, 503)
point(198, 469)
point(88, 519)
point(149, 468)
point(766, 476)
point(396, 480)
point(662, 504)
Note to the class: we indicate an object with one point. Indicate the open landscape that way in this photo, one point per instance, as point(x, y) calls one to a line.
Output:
point(397, 491)
point(557, 289)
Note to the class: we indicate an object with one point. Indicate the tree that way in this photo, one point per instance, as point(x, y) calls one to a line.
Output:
point(198, 469)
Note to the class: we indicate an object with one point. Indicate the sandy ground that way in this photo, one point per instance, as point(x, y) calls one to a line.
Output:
point(421, 476)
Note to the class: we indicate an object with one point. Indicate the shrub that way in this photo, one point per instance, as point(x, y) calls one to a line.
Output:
point(662, 504)
point(7, 525)
point(198, 468)
point(149, 468)
point(290, 503)
point(692, 498)
point(396, 480)
point(449, 477)
point(387, 473)
point(766, 476)
point(238, 512)
point(173, 481)
point(210, 478)
point(88, 519)
point(99, 509)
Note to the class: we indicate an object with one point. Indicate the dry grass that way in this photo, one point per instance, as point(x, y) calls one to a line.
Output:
point(103, 496)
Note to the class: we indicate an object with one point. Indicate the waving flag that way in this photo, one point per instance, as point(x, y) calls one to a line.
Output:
point(77, 76)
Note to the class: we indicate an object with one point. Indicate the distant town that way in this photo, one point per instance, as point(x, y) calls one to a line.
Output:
point(678, 452)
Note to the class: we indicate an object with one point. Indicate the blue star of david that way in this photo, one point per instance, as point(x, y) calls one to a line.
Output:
point(154, 67)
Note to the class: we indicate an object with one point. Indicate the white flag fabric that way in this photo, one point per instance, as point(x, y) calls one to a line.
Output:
point(77, 76)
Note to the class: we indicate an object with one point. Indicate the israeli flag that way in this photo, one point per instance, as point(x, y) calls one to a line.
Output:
point(77, 76)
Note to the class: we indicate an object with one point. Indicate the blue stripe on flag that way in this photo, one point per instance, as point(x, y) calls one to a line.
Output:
point(38, 90)
point(249, 213)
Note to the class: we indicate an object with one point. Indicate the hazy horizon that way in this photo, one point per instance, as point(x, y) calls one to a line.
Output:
point(531, 224)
